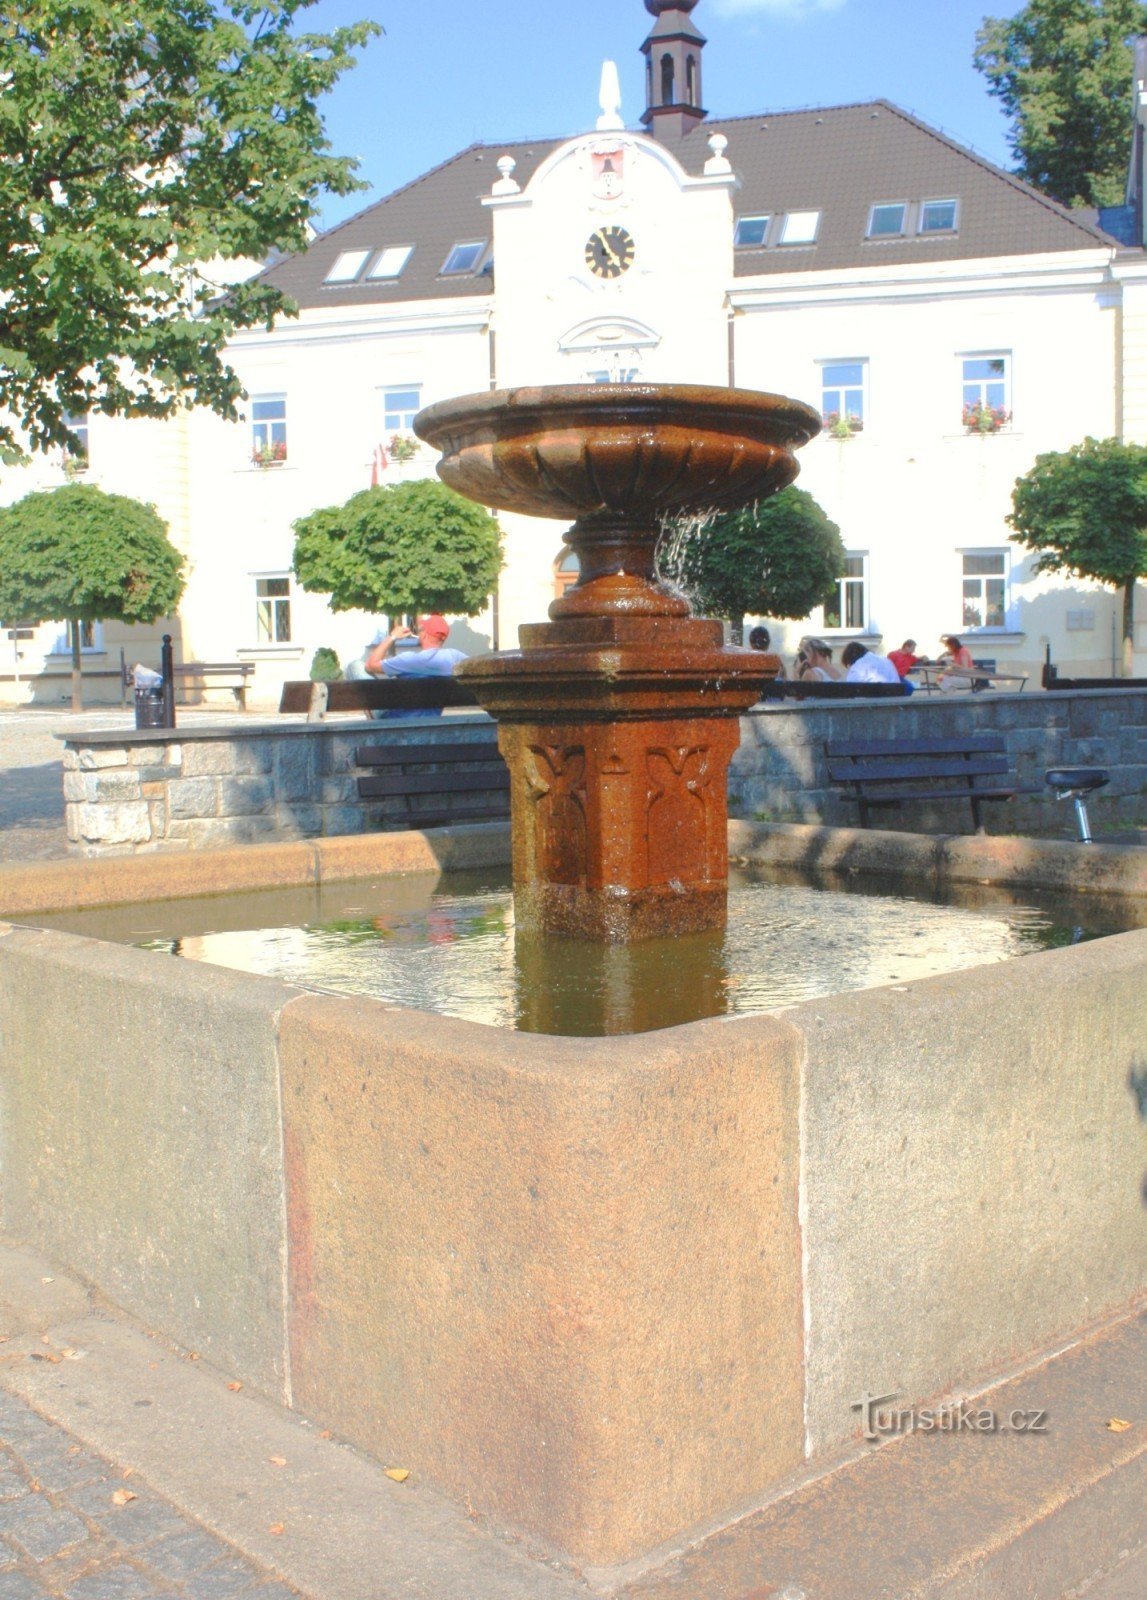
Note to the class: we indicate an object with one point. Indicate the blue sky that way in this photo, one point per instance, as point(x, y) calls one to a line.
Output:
point(448, 72)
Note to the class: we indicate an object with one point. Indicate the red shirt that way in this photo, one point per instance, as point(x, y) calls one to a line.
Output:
point(902, 660)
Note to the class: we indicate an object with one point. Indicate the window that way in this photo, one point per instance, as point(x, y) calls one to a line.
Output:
point(750, 232)
point(849, 608)
point(986, 393)
point(985, 589)
point(400, 407)
point(566, 572)
point(887, 222)
point(273, 610)
point(938, 216)
point(91, 638)
point(842, 386)
point(391, 262)
point(268, 428)
point(463, 258)
point(347, 266)
point(77, 458)
point(800, 227)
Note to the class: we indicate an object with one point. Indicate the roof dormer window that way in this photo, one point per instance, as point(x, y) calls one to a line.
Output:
point(347, 266)
point(463, 258)
point(800, 227)
point(887, 221)
point(391, 261)
point(938, 216)
point(750, 232)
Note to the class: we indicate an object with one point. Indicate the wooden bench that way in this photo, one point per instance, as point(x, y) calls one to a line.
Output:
point(812, 689)
point(436, 782)
point(362, 696)
point(199, 675)
point(886, 772)
point(982, 674)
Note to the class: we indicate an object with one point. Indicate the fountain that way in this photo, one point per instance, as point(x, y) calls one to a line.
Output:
point(618, 718)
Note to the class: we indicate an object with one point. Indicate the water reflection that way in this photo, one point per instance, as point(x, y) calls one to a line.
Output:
point(449, 945)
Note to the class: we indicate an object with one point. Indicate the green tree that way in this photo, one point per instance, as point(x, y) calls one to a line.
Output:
point(141, 140)
point(777, 558)
point(1062, 71)
point(410, 547)
point(1085, 511)
point(79, 555)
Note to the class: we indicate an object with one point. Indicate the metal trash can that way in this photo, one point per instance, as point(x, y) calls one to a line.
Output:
point(149, 707)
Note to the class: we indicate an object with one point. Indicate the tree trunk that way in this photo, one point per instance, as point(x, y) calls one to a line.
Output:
point(77, 667)
point(1128, 663)
point(737, 630)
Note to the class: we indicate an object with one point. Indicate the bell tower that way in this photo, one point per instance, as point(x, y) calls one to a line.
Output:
point(672, 70)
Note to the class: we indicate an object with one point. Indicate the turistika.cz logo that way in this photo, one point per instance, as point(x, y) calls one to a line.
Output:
point(882, 1420)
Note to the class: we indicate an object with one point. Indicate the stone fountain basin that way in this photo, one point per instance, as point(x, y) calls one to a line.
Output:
point(580, 450)
point(608, 1291)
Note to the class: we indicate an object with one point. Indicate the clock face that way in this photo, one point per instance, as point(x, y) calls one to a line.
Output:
point(609, 252)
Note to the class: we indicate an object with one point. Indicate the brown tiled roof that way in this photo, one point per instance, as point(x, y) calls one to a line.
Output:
point(839, 160)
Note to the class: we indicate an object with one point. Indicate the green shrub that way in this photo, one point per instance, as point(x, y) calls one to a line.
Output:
point(325, 667)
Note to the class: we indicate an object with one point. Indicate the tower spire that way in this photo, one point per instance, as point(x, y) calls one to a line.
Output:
point(673, 105)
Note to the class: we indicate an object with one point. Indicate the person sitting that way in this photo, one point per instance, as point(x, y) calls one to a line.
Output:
point(865, 666)
point(761, 639)
point(814, 662)
point(956, 654)
point(430, 660)
point(905, 658)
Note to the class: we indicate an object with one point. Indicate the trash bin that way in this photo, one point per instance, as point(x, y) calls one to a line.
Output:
point(149, 707)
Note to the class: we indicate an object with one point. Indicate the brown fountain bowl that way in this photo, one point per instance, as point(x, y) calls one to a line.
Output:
point(638, 450)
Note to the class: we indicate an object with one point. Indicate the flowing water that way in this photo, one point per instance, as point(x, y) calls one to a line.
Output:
point(449, 945)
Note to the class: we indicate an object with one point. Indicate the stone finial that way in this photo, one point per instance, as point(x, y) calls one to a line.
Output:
point(610, 120)
point(717, 165)
point(506, 183)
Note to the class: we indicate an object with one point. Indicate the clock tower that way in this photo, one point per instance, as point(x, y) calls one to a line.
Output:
point(672, 70)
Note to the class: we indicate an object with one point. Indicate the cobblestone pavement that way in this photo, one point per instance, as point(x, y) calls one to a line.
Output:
point(72, 1526)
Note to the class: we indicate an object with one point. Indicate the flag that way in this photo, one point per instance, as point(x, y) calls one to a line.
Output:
point(378, 464)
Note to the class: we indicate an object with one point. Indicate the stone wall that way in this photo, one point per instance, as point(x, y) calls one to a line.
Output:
point(128, 791)
point(779, 772)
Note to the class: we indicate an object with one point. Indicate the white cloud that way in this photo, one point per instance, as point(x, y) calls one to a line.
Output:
point(785, 8)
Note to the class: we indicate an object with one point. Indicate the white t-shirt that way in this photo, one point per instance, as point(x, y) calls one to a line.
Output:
point(872, 669)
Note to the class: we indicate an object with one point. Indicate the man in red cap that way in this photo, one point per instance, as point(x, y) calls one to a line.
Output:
point(431, 660)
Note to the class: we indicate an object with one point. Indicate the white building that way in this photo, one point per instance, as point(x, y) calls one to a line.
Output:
point(851, 257)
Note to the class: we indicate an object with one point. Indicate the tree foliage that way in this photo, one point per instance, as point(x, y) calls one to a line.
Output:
point(409, 547)
point(139, 141)
point(777, 558)
point(1062, 71)
point(1085, 511)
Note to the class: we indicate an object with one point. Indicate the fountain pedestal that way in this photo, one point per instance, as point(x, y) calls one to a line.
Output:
point(618, 718)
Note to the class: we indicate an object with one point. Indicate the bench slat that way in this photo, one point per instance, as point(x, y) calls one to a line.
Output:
point(891, 797)
point(909, 771)
point(400, 783)
point(380, 694)
point(404, 755)
point(412, 821)
point(914, 747)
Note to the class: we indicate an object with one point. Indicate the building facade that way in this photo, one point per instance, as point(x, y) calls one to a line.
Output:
point(950, 323)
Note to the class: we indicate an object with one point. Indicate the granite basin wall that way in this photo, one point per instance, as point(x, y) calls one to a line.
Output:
point(128, 791)
point(779, 772)
point(610, 1290)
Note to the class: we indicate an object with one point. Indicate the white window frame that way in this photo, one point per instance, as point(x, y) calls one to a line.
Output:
point(845, 586)
point(396, 418)
point(888, 205)
point(992, 552)
point(451, 271)
point(347, 267)
point(269, 432)
point(270, 603)
point(390, 263)
point(751, 244)
point(79, 423)
point(62, 645)
point(799, 228)
point(985, 384)
point(928, 232)
point(844, 361)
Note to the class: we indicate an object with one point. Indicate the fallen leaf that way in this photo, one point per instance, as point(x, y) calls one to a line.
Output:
point(326, 1434)
point(277, 1527)
point(129, 1472)
point(399, 1474)
point(234, 1387)
point(193, 1355)
point(277, 1461)
point(122, 1496)
point(72, 1355)
point(1117, 1425)
point(47, 1280)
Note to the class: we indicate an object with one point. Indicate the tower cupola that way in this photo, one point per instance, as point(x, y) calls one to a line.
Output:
point(672, 54)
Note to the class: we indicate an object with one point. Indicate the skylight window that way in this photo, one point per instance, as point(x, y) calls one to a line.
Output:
point(887, 221)
point(800, 227)
point(463, 258)
point(938, 216)
point(391, 262)
point(750, 232)
point(347, 266)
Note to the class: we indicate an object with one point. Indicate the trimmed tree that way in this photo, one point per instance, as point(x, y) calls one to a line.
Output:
point(1062, 71)
point(410, 547)
point(1085, 511)
point(79, 555)
point(777, 558)
point(140, 141)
